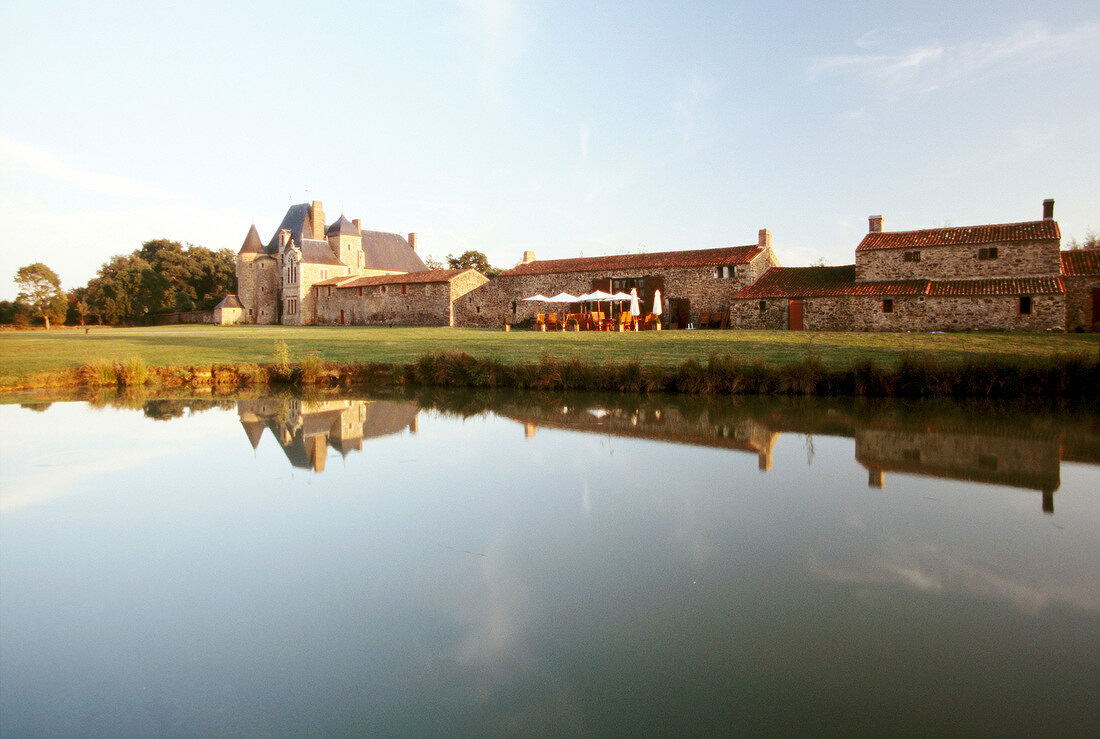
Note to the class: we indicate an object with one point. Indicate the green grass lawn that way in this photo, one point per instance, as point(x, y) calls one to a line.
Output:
point(23, 353)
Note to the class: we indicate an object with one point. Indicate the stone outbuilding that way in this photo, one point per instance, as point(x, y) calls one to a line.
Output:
point(229, 311)
point(1081, 275)
point(424, 298)
point(995, 277)
point(691, 282)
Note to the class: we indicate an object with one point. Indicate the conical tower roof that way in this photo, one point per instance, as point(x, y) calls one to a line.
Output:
point(342, 227)
point(254, 430)
point(252, 243)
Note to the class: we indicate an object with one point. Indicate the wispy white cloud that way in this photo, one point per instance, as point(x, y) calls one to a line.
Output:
point(928, 67)
point(21, 157)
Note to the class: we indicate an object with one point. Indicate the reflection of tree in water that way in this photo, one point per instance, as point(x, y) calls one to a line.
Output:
point(36, 407)
point(166, 409)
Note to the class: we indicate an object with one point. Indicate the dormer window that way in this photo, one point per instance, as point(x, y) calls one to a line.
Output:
point(725, 272)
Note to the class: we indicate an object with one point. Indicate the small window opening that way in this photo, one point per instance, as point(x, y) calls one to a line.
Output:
point(888, 305)
point(404, 289)
point(1025, 305)
point(987, 252)
point(912, 256)
point(763, 306)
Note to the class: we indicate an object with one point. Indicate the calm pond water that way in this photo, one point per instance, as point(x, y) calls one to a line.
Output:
point(570, 564)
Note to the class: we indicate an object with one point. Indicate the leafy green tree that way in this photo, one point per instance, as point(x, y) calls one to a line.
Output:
point(1092, 241)
point(433, 263)
point(40, 288)
point(472, 259)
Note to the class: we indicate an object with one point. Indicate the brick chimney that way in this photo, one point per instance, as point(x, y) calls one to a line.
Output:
point(528, 257)
point(874, 224)
point(765, 239)
point(317, 217)
point(357, 226)
point(1048, 209)
point(412, 241)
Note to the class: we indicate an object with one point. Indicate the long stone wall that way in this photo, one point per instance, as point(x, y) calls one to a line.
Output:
point(409, 304)
point(909, 313)
point(1014, 259)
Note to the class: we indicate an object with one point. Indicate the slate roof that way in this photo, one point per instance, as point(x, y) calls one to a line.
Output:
point(297, 221)
point(1081, 262)
point(342, 227)
point(390, 252)
point(406, 278)
point(252, 243)
point(998, 286)
point(729, 255)
point(315, 251)
point(1029, 231)
point(230, 301)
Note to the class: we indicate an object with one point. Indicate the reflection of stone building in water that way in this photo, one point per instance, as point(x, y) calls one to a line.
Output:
point(1009, 452)
point(307, 429)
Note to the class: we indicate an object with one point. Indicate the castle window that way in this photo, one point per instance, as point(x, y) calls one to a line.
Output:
point(888, 305)
point(324, 274)
point(911, 256)
point(1025, 305)
point(987, 252)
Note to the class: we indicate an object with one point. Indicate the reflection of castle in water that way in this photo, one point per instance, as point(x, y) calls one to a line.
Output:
point(306, 429)
point(1014, 450)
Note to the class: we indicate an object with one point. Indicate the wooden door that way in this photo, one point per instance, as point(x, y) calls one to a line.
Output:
point(1095, 308)
point(681, 311)
point(794, 322)
point(341, 318)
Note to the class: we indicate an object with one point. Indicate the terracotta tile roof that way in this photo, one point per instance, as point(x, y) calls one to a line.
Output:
point(425, 277)
point(822, 282)
point(1081, 262)
point(729, 255)
point(1030, 231)
point(998, 286)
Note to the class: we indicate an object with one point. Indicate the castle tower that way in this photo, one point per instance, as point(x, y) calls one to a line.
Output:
point(346, 241)
point(249, 278)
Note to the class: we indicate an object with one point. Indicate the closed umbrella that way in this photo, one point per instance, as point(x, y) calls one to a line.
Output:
point(657, 306)
point(635, 306)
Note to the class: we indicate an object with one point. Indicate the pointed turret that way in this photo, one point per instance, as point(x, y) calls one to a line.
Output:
point(342, 227)
point(252, 243)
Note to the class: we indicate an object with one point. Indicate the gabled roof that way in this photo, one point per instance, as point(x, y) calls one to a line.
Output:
point(408, 278)
point(1029, 231)
point(390, 252)
point(998, 286)
point(802, 282)
point(729, 255)
point(342, 227)
point(1081, 262)
point(252, 243)
point(230, 301)
point(297, 221)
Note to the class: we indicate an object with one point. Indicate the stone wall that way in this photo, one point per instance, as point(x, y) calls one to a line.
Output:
point(410, 304)
point(228, 316)
point(257, 288)
point(502, 299)
point(1014, 259)
point(1079, 291)
point(910, 313)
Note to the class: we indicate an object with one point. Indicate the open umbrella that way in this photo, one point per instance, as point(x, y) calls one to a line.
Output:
point(539, 298)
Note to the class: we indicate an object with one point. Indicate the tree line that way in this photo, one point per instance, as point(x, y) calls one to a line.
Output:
point(162, 276)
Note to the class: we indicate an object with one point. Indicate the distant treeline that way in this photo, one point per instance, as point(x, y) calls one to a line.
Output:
point(161, 276)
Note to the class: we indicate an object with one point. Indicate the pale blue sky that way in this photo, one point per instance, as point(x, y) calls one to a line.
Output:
point(567, 128)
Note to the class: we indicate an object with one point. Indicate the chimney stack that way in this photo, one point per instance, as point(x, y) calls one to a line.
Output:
point(357, 226)
point(765, 239)
point(1048, 209)
point(874, 224)
point(412, 241)
point(528, 257)
point(317, 218)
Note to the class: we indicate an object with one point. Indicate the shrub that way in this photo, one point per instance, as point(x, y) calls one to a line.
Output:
point(133, 372)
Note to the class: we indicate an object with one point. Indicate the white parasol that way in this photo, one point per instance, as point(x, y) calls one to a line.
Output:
point(635, 304)
point(539, 298)
point(656, 303)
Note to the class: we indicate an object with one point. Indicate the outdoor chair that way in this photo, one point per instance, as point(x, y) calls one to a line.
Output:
point(704, 319)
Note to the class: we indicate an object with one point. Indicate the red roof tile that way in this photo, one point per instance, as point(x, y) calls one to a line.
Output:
point(821, 282)
point(1081, 262)
point(406, 278)
point(1030, 231)
point(998, 286)
point(690, 258)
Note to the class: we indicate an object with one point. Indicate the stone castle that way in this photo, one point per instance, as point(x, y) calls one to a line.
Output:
point(308, 273)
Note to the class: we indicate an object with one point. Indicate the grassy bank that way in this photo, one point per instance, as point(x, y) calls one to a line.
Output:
point(25, 353)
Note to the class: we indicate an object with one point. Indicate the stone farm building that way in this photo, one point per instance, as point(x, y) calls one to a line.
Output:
point(1010, 276)
point(309, 274)
point(690, 282)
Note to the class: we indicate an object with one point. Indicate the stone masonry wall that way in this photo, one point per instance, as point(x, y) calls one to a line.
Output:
point(412, 304)
point(1079, 301)
point(502, 299)
point(910, 313)
point(1014, 259)
point(257, 280)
